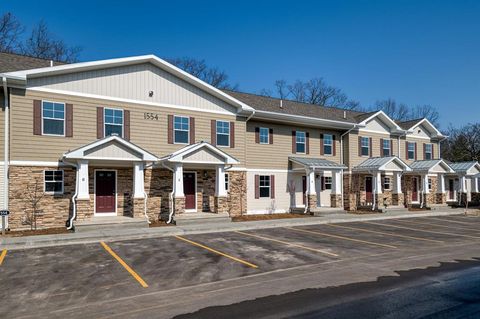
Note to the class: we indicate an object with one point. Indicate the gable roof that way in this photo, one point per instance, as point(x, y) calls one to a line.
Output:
point(427, 165)
point(110, 63)
point(316, 163)
point(365, 118)
point(10, 62)
point(380, 164)
point(178, 156)
point(463, 167)
point(410, 125)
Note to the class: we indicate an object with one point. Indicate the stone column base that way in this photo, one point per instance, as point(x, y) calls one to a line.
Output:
point(221, 205)
point(350, 202)
point(179, 205)
point(311, 202)
point(463, 199)
point(138, 208)
point(84, 209)
point(441, 198)
point(335, 200)
point(398, 199)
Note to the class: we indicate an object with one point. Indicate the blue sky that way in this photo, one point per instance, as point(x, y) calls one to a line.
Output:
point(417, 52)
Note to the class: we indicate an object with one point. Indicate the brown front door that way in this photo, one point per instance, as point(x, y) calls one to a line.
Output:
point(105, 191)
point(304, 189)
point(451, 189)
point(369, 190)
point(189, 190)
point(415, 190)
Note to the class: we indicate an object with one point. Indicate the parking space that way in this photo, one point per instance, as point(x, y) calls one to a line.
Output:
point(54, 277)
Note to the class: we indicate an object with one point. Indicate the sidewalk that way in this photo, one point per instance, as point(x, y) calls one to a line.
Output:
point(129, 234)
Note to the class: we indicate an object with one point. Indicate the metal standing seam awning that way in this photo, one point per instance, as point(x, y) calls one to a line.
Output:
point(379, 164)
point(431, 167)
point(465, 168)
point(316, 163)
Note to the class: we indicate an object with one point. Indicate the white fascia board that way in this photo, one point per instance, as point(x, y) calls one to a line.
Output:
point(396, 129)
point(177, 157)
point(437, 133)
point(299, 119)
point(395, 159)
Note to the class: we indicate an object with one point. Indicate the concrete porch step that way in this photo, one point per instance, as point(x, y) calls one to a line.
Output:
point(110, 222)
point(397, 209)
point(325, 211)
point(438, 206)
point(201, 218)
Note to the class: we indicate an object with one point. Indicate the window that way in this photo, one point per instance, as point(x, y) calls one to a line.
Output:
point(386, 147)
point(429, 184)
point(328, 182)
point(53, 182)
point(365, 146)
point(411, 151)
point(327, 144)
point(53, 118)
point(387, 183)
point(300, 142)
point(223, 133)
point(181, 129)
point(113, 122)
point(428, 151)
point(264, 135)
point(226, 182)
point(264, 186)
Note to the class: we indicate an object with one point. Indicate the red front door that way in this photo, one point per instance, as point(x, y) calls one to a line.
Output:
point(369, 190)
point(415, 190)
point(304, 189)
point(105, 190)
point(189, 190)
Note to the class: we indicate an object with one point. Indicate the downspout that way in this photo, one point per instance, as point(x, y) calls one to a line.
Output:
point(74, 197)
point(423, 191)
point(6, 143)
point(375, 176)
point(170, 215)
point(146, 196)
point(342, 160)
point(250, 116)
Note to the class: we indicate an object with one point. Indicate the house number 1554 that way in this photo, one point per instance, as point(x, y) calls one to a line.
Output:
point(150, 116)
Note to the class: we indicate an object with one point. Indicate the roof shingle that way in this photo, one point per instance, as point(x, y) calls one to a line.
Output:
point(10, 62)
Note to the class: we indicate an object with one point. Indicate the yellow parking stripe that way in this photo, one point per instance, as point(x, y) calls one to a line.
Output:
point(124, 264)
point(288, 244)
point(438, 225)
point(217, 252)
point(2, 256)
point(422, 230)
point(386, 233)
point(452, 221)
point(340, 237)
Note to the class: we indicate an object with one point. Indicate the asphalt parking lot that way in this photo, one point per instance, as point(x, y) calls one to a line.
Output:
point(47, 280)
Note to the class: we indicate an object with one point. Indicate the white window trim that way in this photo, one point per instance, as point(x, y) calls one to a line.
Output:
point(304, 143)
point(188, 131)
point(227, 182)
point(216, 132)
point(330, 179)
point(430, 184)
point(331, 145)
point(362, 147)
point(64, 118)
point(268, 135)
point(389, 147)
point(45, 182)
point(408, 151)
point(431, 150)
point(269, 187)
point(389, 183)
point(105, 124)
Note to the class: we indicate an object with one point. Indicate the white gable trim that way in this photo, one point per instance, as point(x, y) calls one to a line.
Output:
point(397, 160)
point(429, 126)
point(162, 64)
point(391, 123)
point(177, 156)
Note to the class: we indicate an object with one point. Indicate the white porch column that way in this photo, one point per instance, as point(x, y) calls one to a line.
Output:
point(425, 184)
point(138, 181)
point(178, 181)
point(378, 183)
point(83, 192)
point(398, 183)
point(475, 185)
point(337, 182)
point(220, 190)
point(311, 182)
point(463, 187)
point(441, 184)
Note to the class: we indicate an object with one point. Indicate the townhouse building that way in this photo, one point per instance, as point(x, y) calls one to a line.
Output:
point(138, 137)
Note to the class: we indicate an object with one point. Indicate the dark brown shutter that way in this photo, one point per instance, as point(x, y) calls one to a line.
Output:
point(391, 148)
point(213, 132)
point(370, 146)
point(257, 135)
point(100, 130)
point(334, 146)
point(321, 145)
point(424, 151)
point(257, 186)
point(270, 136)
point(307, 142)
point(126, 125)
point(232, 134)
point(406, 150)
point(170, 128)
point(192, 130)
point(37, 117)
point(272, 186)
point(322, 180)
point(382, 154)
point(415, 150)
point(294, 142)
point(359, 146)
point(69, 120)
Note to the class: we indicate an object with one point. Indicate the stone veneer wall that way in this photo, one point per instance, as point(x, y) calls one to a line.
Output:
point(237, 193)
point(54, 210)
point(158, 186)
point(429, 199)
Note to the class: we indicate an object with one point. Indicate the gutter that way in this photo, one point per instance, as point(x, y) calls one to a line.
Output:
point(74, 197)
point(6, 143)
point(172, 210)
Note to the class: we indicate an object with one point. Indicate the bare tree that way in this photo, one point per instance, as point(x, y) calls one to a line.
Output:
point(42, 44)
point(34, 195)
point(463, 143)
point(10, 31)
point(201, 70)
point(426, 111)
point(403, 112)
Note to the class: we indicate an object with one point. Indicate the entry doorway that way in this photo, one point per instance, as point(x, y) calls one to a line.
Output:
point(415, 190)
point(451, 189)
point(369, 190)
point(105, 192)
point(189, 189)
point(304, 190)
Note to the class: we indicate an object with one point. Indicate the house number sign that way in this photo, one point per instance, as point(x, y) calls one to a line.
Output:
point(150, 116)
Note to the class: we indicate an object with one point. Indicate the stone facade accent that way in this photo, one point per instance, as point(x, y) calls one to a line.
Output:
point(158, 186)
point(398, 199)
point(179, 205)
point(311, 202)
point(349, 197)
point(139, 208)
point(84, 209)
point(476, 198)
point(440, 198)
point(336, 200)
point(221, 205)
point(237, 193)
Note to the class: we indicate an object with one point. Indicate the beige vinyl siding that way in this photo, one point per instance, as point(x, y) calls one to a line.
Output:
point(420, 142)
point(134, 82)
point(148, 134)
point(354, 159)
point(275, 156)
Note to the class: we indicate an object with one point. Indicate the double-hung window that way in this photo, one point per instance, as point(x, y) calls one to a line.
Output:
point(411, 150)
point(113, 122)
point(226, 182)
point(264, 135)
point(365, 145)
point(53, 118)
point(430, 184)
point(328, 182)
point(428, 151)
point(53, 181)
point(387, 183)
point(264, 186)
point(223, 133)
point(181, 128)
point(386, 148)
point(328, 144)
point(300, 142)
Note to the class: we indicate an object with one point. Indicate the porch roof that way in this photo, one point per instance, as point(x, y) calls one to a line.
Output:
point(464, 167)
point(389, 163)
point(316, 163)
point(200, 153)
point(431, 166)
